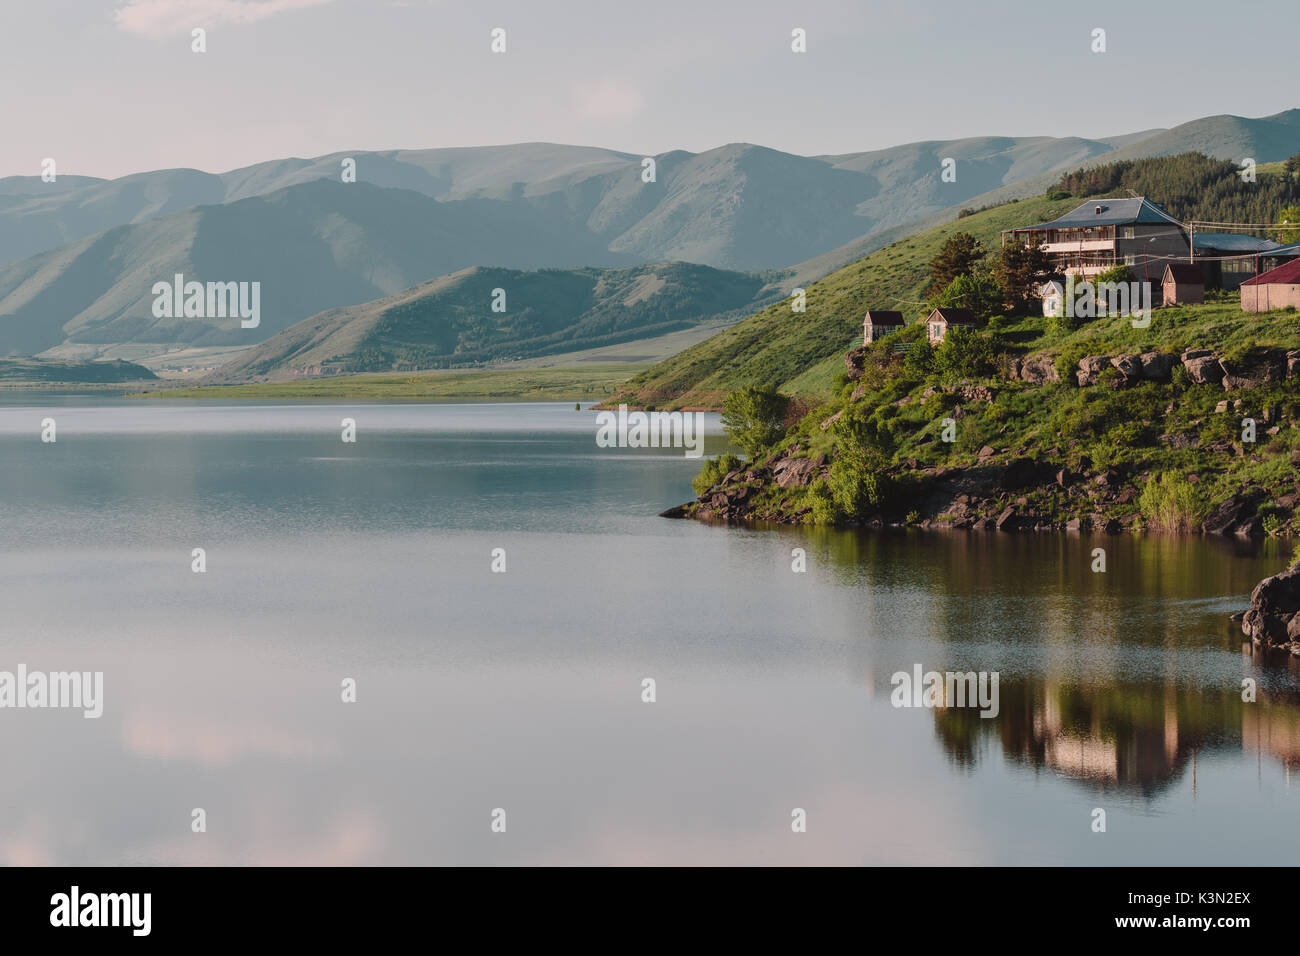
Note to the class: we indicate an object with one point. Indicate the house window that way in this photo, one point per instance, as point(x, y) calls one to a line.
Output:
point(1128, 232)
point(1130, 260)
point(934, 330)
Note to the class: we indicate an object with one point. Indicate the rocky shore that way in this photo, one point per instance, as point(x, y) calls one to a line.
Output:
point(1018, 489)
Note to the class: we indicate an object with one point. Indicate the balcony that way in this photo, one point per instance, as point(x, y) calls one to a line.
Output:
point(1083, 245)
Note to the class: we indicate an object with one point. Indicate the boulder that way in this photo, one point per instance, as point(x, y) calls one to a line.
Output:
point(1263, 627)
point(1025, 473)
point(1090, 367)
point(1203, 367)
point(855, 361)
point(1279, 594)
point(1038, 370)
point(1228, 515)
point(795, 472)
point(1130, 367)
point(1157, 366)
point(1256, 368)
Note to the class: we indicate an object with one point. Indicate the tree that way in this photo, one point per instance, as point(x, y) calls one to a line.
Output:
point(979, 293)
point(1292, 166)
point(858, 480)
point(959, 255)
point(1288, 221)
point(1020, 269)
point(754, 417)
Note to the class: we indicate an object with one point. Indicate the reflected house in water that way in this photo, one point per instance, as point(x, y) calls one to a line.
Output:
point(1128, 736)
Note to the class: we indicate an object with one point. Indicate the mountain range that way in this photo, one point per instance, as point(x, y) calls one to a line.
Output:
point(79, 256)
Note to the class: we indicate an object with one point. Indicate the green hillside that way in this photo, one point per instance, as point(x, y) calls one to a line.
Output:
point(29, 371)
point(450, 322)
point(801, 352)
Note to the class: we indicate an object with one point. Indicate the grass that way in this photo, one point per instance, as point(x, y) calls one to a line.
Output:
point(801, 352)
point(1169, 441)
point(553, 384)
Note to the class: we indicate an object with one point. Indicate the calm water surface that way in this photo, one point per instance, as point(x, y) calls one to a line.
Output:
point(478, 690)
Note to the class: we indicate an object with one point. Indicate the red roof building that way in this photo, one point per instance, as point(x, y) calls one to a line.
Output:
point(1275, 289)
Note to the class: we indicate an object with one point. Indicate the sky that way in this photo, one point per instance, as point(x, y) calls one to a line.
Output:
point(111, 87)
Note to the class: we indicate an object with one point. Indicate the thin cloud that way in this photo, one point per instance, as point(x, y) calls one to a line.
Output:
point(162, 18)
point(608, 100)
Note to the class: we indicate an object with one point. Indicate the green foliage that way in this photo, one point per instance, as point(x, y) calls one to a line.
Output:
point(1171, 503)
point(1188, 186)
point(825, 511)
point(920, 358)
point(857, 481)
point(714, 470)
point(964, 353)
point(1019, 270)
point(958, 256)
point(754, 417)
point(1117, 274)
point(1289, 218)
point(978, 292)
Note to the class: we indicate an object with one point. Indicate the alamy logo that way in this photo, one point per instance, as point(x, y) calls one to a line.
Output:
point(55, 689)
point(651, 430)
point(949, 689)
point(179, 299)
point(1086, 300)
point(75, 908)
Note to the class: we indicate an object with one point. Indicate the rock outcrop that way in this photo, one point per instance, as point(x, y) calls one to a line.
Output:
point(1274, 616)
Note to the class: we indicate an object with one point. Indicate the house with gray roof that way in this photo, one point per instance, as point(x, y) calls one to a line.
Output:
point(1103, 233)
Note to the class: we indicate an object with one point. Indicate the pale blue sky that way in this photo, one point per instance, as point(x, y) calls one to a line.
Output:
point(109, 87)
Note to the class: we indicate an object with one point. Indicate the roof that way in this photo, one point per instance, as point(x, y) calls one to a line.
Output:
point(1291, 250)
point(955, 316)
point(1286, 274)
point(1113, 212)
point(1185, 272)
point(884, 317)
point(1234, 242)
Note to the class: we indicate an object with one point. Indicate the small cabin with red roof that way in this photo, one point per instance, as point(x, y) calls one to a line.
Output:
point(1275, 289)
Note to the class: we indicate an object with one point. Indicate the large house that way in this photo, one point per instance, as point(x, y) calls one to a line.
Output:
point(1103, 233)
point(1275, 289)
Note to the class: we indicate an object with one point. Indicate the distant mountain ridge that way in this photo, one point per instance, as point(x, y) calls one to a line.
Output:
point(318, 243)
point(450, 321)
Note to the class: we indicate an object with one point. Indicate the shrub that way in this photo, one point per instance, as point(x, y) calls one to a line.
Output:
point(755, 417)
point(1172, 503)
point(964, 354)
point(1116, 274)
point(714, 470)
point(824, 508)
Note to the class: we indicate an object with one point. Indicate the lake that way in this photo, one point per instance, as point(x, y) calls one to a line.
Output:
point(522, 691)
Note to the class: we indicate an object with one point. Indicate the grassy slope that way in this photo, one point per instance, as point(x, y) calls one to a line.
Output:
point(1141, 431)
point(53, 371)
point(800, 353)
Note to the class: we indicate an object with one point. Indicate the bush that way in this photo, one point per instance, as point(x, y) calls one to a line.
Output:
point(964, 354)
point(755, 417)
point(824, 508)
point(1116, 274)
point(1172, 503)
point(714, 470)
